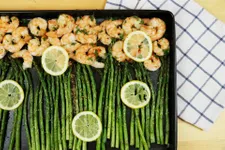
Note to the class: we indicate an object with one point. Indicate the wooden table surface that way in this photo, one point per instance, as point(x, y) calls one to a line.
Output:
point(190, 137)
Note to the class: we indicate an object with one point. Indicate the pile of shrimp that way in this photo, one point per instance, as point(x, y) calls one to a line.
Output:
point(80, 37)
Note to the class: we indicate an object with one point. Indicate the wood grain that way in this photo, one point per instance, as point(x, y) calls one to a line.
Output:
point(190, 137)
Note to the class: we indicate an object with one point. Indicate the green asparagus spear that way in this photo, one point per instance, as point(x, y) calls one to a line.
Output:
point(51, 93)
point(67, 107)
point(31, 119)
point(132, 129)
point(70, 108)
point(5, 114)
point(4, 122)
point(27, 91)
point(41, 119)
point(88, 88)
point(161, 109)
point(13, 133)
point(84, 92)
point(113, 114)
point(126, 140)
point(4, 68)
point(147, 123)
point(139, 77)
point(167, 105)
point(80, 99)
point(93, 85)
point(79, 87)
point(100, 102)
point(141, 131)
point(56, 111)
point(36, 129)
point(63, 112)
point(76, 96)
point(158, 105)
point(19, 118)
point(15, 117)
point(105, 120)
point(75, 107)
point(119, 125)
point(111, 84)
point(47, 119)
point(1, 114)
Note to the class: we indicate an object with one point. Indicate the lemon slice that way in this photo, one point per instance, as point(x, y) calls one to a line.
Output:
point(11, 95)
point(55, 60)
point(87, 126)
point(138, 46)
point(135, 94)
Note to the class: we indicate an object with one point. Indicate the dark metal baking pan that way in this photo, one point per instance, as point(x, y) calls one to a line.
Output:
point(101, 15)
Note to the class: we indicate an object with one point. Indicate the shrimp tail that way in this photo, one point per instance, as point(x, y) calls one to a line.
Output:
point(27, 58)
point(97, 64)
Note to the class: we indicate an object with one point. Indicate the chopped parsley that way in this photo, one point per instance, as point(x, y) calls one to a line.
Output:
point(112, 18)
point(140, 56)
point(44, 38)
point(166, 52)
point(91, 59)
point(96, 53)
point(139, 46)
point(145, 41)
point(24, 21)
point(92, 17)
point(141, 22)
point(113, 40)
point(136, 17)
point(121, 36)
point(54, 28)
point(82, 31)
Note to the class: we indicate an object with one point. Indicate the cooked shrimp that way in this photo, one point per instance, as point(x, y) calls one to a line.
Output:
point(153, 63)
point(98, 51)
point(131, 23)
point(86, 21)
point(52, 26)
point(37, 47)
point(21, 33)
point(2, 51)
point(27, 58)
point(118, 53)
point(66, 24)
point(38, 26)
point(104, 24)
point(86, 39)
point(104, 38)
point(87, 30)
point(149, 30)
point(161, 47)
point(54, 41)
point(2, 34)
point(9, 24)
point(155, 28)
point(113, 30)
point(94, 30)
point(4, 19)
point(69, 42)
point(10, 45)
point(82, 56)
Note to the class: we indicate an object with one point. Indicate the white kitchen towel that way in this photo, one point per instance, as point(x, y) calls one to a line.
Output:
point(200, 50)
